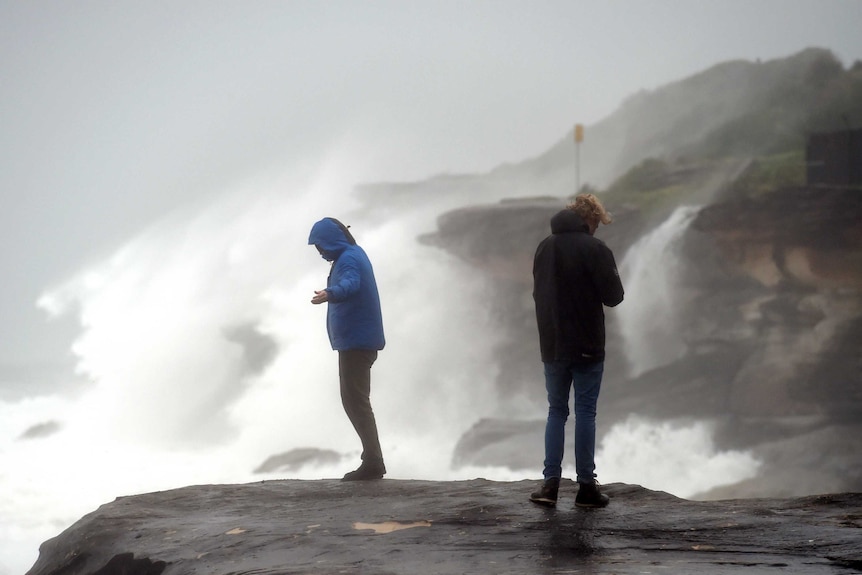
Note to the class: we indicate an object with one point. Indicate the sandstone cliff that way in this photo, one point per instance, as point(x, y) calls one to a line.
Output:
point(764, 328)
point(770, 311)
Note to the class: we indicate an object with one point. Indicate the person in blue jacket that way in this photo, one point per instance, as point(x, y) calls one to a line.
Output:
point(354, 323)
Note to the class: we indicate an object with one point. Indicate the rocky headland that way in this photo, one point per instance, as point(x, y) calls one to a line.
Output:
point(764, 330)
point(769, 314)
point(756, 323)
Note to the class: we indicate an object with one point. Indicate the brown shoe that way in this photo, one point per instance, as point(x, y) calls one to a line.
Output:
point(547, 493)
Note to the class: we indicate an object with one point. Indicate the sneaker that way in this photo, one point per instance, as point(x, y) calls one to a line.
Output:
point(589, 495)
point(547, 493)
point(366, 471)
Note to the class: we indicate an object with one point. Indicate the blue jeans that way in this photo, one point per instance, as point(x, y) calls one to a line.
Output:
point(587, 379)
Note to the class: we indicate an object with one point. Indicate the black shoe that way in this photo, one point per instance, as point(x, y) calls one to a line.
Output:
point(547, 493)
point(368, 470)
point(589, 495)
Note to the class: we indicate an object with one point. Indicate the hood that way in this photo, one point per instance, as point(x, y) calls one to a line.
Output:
point(332, 237)
point(568, 221)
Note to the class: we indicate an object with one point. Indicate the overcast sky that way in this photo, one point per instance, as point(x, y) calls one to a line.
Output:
point(112, 113)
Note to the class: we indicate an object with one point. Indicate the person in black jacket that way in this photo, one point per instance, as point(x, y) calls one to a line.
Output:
point(574, 276)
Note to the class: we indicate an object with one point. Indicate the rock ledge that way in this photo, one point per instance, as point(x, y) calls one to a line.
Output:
point(476, 526)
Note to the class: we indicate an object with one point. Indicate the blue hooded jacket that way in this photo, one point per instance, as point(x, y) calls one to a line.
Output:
point(353, 317)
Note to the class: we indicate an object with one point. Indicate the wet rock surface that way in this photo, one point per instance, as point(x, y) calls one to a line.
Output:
point(476, 526)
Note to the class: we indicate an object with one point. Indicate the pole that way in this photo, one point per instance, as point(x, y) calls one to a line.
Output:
point(577, 167)
point(579, 137)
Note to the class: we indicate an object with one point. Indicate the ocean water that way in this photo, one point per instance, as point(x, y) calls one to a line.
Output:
point(204, 357)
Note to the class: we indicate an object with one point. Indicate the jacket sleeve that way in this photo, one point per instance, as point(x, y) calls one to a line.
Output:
point(608, 278)
point(347, 280)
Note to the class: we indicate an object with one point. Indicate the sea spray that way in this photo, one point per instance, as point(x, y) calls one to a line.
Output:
point(649, 318)
point(676, 457)
point(175, 400)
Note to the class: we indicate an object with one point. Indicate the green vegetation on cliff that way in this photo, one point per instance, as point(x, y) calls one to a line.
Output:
point(654, 184)
point(703, 130)
point(650, 185)
point(764, 111)
point(771, 173)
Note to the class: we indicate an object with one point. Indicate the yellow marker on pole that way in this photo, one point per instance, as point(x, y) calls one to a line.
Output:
point(579, 137)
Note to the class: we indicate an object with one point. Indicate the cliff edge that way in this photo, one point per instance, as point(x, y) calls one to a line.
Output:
point(476, 526)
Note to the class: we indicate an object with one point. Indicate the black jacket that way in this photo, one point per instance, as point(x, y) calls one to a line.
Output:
point(574, 274)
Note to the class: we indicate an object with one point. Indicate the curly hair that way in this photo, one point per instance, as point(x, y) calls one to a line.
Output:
point(590, 209)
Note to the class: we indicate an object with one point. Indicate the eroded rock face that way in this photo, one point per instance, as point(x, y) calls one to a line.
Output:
point(478, 526)
point(771, 323)
point(809, 237)
point(803, 319)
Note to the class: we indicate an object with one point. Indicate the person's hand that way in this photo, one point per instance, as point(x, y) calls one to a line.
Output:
point(320, 296)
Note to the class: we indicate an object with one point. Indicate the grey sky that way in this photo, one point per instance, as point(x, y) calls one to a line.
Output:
point(114, 113)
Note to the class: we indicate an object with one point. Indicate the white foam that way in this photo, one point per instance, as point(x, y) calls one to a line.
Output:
point(649, 317)
point(676, 457)
point(173, 403)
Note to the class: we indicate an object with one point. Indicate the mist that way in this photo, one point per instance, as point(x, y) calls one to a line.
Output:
point(204, 357)
point(116, 116)
point(161, 165)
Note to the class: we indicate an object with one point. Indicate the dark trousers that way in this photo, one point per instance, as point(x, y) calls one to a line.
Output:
point(354, 373)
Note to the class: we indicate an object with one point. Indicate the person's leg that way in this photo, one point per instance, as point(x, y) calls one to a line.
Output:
point(587, 383)
point(558, 383)
point(354, 373)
